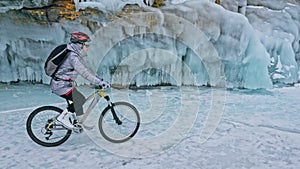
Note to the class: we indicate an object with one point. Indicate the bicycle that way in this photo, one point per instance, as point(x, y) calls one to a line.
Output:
point(117, 123)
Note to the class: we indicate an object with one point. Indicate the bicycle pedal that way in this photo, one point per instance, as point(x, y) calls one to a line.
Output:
point(78, 128)
point(75, 121)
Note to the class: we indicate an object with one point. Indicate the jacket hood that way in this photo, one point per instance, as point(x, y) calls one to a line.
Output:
point(76, 48)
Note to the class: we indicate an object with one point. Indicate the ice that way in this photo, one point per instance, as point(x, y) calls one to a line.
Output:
point(150, 67)
point(24, 51)
point(177, 1)
point(277, 26)
point(107, 6)
point(258, 129)
point(280, 4)
point(238, 6)
point(236, 46)
point(248, 53)
point(280, 35)
point(6, 5)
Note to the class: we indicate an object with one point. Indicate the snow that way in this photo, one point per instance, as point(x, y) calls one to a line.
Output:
point(182, 126)
point(257, 129)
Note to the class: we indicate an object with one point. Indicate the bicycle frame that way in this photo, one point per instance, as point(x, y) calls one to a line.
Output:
point(95, 99)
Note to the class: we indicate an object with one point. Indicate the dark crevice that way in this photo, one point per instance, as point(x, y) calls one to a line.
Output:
point(9, 57)
point(37, 8)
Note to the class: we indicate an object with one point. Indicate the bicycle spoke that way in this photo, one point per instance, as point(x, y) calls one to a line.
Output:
point(40, 133)
point(115, 132)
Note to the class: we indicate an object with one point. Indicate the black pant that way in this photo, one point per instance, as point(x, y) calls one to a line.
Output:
point(78, 100)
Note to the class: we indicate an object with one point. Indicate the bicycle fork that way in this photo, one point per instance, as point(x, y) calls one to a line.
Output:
point(111, 106)
point(116, 118)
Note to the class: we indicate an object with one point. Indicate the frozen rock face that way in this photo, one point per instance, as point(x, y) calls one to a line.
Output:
point(238, 6)
point(26, 42)
point(275, 4)
point(277, 24)
point(244, 52)
point(6, 5)
point(244, 59)
point(280, 33)
point(37, 3)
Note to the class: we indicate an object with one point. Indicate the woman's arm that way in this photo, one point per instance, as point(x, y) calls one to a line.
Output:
point(80, 67)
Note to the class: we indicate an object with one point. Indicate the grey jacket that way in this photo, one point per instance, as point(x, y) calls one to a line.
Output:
point(70, 69)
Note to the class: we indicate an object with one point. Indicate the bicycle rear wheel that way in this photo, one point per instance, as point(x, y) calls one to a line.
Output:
point(43, 128)
point(122, 130)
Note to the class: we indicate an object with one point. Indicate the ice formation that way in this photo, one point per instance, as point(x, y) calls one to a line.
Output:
point(277, 25)
point(280, 35)
point(256, 45)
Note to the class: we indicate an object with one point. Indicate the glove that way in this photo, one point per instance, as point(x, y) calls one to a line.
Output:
point(104, 84)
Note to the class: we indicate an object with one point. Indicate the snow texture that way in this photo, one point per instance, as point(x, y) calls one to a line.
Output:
point(259, 129)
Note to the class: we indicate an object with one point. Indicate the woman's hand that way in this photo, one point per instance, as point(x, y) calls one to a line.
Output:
point(104, 84)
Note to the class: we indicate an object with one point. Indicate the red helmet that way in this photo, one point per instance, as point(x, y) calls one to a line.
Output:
point(79, 37)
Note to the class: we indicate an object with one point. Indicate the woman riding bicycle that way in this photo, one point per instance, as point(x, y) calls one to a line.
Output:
point(62, 82)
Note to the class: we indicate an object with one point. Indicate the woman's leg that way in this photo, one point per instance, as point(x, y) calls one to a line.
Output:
point(78, 100)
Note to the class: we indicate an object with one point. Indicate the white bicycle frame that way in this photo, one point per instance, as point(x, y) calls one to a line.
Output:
point(95, 99)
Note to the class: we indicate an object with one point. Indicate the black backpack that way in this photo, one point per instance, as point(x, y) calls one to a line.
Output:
point(55, 59)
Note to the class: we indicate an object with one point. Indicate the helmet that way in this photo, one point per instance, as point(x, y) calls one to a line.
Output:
point(79, 37)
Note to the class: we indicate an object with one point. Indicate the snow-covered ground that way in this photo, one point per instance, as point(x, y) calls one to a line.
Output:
point(258, 129)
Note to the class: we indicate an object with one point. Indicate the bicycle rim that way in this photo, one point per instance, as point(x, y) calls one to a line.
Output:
point(114, 132)
point(37, 124)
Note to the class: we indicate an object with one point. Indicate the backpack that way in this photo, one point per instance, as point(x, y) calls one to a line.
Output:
point(55, 59)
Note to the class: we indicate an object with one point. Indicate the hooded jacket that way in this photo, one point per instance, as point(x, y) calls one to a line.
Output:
point(70, 69)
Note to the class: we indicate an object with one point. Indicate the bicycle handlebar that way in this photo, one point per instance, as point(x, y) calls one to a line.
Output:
point(103, 94)
point(100, 90)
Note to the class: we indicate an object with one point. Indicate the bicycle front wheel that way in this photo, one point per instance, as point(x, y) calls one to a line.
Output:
point(43, 128)
point(124, 127)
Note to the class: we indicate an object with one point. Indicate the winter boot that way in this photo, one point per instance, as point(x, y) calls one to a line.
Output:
point(64, 118)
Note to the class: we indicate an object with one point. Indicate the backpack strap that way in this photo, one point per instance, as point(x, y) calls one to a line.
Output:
point(60, 79)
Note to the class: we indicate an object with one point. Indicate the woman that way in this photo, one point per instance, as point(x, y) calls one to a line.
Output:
point(62, 82)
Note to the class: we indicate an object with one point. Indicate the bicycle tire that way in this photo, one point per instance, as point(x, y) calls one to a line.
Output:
point(47, 110)
point(121, 114)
